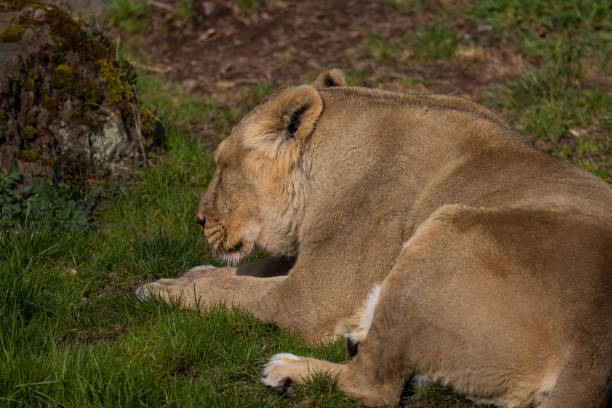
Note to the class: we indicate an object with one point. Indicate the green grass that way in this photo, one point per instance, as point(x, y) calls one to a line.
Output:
point(405, 6)
point(434, 42)
point(131, 15)
point(382, 48)
point(534, 24)
point(247, 6)
point(427, 43)
point(186, 12)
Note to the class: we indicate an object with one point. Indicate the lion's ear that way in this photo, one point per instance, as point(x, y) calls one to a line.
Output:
point(327, 79)
point(288, 121)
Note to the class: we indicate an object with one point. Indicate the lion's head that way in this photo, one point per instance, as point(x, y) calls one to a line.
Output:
point(258, 191)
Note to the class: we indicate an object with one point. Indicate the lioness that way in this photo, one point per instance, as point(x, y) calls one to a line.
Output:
point(488, 263)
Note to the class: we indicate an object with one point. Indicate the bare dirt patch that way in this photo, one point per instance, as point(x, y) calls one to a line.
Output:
point(286, 42)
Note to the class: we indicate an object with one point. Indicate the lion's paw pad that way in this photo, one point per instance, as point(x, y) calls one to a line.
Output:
point(278, 371)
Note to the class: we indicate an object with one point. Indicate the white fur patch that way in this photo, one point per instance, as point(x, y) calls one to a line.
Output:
point(276, 360)
point(419, 381)
point(368, 313)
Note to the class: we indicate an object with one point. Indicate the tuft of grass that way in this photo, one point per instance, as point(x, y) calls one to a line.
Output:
point(186, 12)
point(382, 48)
point(131, 15)
point(355, 77)
point(259, 92)
point(405, 6)
point(435, 394)
point(247, 6)
point(435, 42)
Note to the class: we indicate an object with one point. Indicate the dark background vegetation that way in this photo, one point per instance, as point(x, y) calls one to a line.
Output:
point(71, 331)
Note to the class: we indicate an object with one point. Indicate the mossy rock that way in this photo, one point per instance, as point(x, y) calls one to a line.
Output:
point(64, 95)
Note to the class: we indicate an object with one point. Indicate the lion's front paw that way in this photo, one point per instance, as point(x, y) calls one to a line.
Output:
point(282, 371)
point(176, 286)
point(158, 288)
point(142, 292)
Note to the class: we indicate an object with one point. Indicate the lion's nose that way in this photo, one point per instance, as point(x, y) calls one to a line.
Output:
point(201, 221)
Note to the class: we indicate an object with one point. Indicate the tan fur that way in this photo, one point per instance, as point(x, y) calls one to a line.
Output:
point(327, 79)
point(495, 259)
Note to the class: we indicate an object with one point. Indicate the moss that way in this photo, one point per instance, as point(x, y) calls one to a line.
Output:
point(30, 23)
point(120, 91)
point(91, 94)
point(28, 132)
point(3, 115)
point(31, 80)
point(29, 84)
point(58, 40)
point(151, 127)
point(12, 33)
point(147, 120)
point(68, 35)
point(63, 77)
point(29, 156)
point(63, 26)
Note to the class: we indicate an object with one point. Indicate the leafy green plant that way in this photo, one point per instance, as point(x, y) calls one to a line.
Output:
point(44, 202)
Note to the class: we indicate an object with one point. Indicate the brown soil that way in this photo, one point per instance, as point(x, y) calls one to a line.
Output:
point(288, 42)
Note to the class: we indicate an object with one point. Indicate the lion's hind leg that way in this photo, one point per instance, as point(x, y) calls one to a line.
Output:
point(458, 307)
point(371, 377)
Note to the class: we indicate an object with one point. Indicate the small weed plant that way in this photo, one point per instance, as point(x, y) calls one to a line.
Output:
point(44, 202)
